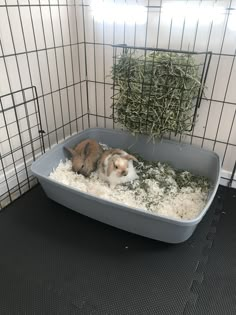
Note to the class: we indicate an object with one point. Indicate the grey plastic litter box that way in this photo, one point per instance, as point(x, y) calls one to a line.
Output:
point(181, 156)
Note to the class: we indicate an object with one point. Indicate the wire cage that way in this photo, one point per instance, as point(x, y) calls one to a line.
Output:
point(56, 59)
point(157, 90)
point(22, 139)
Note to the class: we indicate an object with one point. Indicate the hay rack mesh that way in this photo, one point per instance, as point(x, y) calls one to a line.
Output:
point(157, 91)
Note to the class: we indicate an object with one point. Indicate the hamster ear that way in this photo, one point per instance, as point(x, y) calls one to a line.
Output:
point(86, 149)
point(110, 167)
point(130, 157)
point(71, 151)
point(116, 151)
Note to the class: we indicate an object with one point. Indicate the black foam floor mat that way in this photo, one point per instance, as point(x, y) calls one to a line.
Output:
point(217, 290)
point(55, 261)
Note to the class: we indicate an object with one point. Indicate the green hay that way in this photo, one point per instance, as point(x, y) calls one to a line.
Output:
point(156, 92)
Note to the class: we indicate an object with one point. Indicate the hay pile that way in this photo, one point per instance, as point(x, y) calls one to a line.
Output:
point(156, 92)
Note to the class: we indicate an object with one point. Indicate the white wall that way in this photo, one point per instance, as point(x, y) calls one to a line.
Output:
point(43, 45)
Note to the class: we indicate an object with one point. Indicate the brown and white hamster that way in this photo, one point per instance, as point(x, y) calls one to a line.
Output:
point(116, 167)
